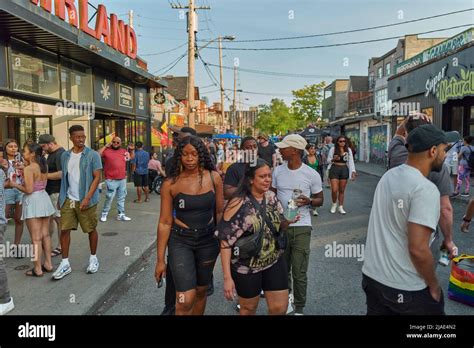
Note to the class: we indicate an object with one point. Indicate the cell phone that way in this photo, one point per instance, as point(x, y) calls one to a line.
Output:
point(160, 283)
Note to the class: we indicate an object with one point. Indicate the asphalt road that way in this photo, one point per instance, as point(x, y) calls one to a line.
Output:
point(334, 283)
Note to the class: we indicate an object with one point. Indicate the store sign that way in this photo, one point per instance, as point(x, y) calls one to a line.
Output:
point(114, 32)
point(432, 83)
point(456, 87)
point(142, 103)
point(125, 96)
point(436, 51)
point(104, 90)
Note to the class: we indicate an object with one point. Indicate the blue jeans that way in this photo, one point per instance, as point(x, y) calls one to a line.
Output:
point(112, 187)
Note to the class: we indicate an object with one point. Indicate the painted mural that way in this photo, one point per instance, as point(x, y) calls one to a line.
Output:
point(378, 144)
point(354, 135)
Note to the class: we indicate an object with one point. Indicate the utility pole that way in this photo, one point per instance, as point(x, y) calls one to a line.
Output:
point(130, 18)
point(221, 123)
point(234, 114)
point(192, 29)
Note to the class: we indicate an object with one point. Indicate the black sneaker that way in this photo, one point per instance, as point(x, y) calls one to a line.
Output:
point(169, 310)
point(465, 194)
point(454, 195)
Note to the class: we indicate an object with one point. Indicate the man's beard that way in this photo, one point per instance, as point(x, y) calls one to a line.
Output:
point(437, 166)
point(115, 147)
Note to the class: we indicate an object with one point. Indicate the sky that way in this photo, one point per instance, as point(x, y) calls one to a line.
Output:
point(161, 28)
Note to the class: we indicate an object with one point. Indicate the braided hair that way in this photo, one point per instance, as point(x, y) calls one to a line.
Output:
point(204, 158)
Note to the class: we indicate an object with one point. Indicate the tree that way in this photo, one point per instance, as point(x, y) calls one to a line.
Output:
point(248, 132)
point(307, 103)
point(275, 118)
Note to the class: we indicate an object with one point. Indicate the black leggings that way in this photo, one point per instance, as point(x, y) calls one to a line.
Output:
point(192, 254)
point(250, 285)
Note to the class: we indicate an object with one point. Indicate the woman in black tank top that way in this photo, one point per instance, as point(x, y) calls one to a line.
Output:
point(192, 202)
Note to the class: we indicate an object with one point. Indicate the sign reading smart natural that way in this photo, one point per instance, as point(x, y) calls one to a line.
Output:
point(456, 87)
point(114, 32)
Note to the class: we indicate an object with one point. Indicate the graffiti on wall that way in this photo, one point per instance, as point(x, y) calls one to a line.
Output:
point(354, 135)
point(377, 143)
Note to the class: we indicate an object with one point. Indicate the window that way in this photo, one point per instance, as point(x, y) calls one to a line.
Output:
point(381, 102)
point(387, 69)
point(371, 80)
point(34, 71)
point(379, 72)
point(76, 81)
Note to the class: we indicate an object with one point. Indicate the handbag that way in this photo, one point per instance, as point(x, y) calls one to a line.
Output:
point(280, 236)
point(250, 246)
point(461, 280)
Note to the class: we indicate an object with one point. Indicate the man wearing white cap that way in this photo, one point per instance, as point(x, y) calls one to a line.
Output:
point(298, 180)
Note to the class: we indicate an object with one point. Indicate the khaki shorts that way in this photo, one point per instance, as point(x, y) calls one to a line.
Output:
point(72, 215)
point(55, 201)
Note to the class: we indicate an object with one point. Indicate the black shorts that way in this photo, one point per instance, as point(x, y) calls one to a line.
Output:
point(384, 300)
point(192, 255)
point(140, 180)
point(251, 285)
point(339, 172)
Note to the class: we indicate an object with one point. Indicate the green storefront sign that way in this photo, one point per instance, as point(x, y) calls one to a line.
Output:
point(438, 50)
point(456, 88)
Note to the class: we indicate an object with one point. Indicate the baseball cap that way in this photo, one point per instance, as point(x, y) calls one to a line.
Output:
point(263, 136)
point(46, 139)
point(293, 140)
point(426, 136)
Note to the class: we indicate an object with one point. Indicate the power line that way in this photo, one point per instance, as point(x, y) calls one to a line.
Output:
point(158, 28)
point(158, 53)
point(355, 30)
point(338, 44)
point(273, 73)
point(173, 63)
point(263, 93)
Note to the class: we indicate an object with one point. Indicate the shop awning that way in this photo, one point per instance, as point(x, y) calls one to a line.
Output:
point(30, 23)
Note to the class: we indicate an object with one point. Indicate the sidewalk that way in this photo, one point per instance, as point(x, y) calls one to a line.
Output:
point(121, 244)
point(379, 170)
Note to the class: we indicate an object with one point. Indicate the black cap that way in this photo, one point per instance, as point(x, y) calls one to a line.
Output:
point(189, 130)
point(45, 139)
point(424, 137)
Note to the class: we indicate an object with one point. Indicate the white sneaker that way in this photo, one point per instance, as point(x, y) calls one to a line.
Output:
point(298, 313)
point(6, 307)
point(63, 270)
point(333, 208)
point(122, 217)
point(290, 304)
point(341, 210)
point(315, 212)
point(103, 218)
point(93, 266)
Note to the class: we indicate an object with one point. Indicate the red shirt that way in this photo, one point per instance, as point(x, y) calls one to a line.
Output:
point(115, 163)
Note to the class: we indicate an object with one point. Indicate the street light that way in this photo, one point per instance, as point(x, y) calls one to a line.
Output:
point(220, 38)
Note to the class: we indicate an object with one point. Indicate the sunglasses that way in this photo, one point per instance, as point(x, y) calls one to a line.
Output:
point(115, 142)
point(341, 141)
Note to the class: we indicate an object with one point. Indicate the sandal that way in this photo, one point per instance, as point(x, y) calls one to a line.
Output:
point(147, 200)
point(56, 252)
point(136, 201)
point(44, 269)
point(32, 273)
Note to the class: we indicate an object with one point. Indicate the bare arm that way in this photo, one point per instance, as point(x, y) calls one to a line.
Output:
point(55, 176)
point(229, 191)
point(219, 196)
point(470, 210)
point(446, 223)
point(102, 149)
point(421, 256)
point(29, 181)
point(274, 160)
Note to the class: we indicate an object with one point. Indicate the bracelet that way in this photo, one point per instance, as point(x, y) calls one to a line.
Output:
point(465, 220)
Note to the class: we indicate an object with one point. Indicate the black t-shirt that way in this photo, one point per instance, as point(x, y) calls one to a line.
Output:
point(266, 153)
point(54, 165)
point(234, 174)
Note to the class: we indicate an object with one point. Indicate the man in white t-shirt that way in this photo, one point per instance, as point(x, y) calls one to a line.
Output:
point(398, 273)
point(290, 176)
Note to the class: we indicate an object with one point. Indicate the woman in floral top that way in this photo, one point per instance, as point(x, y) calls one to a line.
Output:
point(267, 270)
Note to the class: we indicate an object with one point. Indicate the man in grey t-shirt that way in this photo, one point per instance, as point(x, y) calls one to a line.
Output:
point(398, 154)
point(398, 272)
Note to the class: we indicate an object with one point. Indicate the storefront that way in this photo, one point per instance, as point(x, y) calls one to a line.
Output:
point(442, 87)
point(54, 74)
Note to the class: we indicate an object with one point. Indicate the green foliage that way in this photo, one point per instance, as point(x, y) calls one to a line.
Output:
point(275, 118)
point(307, 103)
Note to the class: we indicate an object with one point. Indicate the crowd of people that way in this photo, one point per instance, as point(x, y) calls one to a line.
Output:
point(254, 214)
